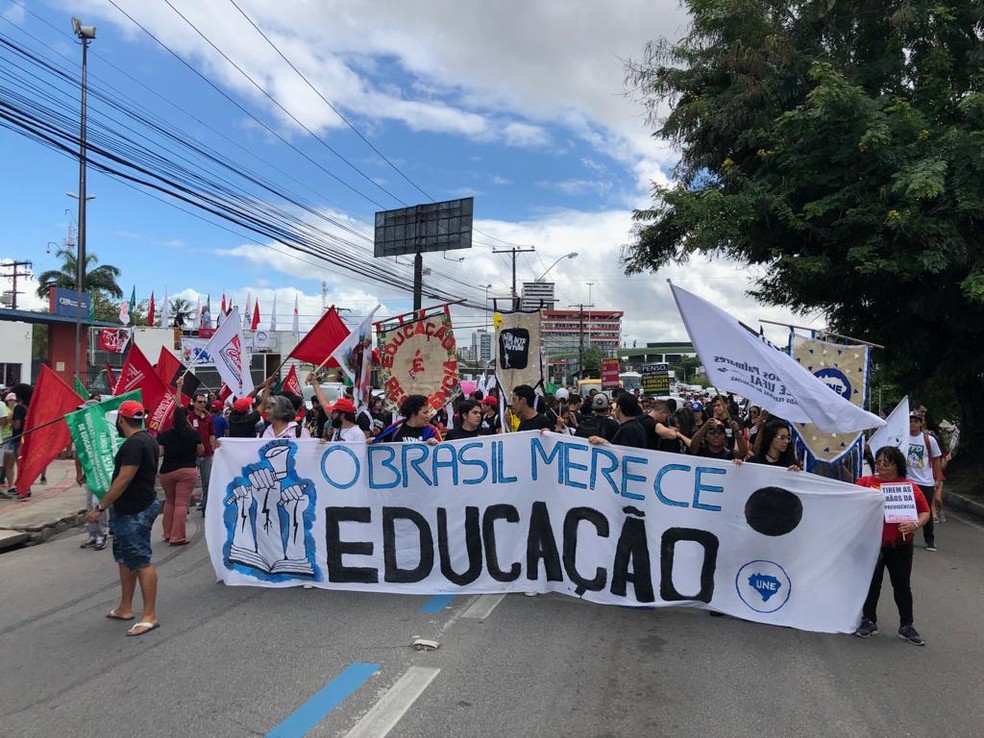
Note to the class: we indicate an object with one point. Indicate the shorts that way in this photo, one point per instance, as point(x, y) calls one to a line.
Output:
point(12, 448)
point(131, 537)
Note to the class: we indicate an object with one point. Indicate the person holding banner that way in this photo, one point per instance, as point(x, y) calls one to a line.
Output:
point(283, 419)
point(135, 507)
point(469, 421)
point(776, 448)
point(414, 427)
point(896, 548)
point(343, 428)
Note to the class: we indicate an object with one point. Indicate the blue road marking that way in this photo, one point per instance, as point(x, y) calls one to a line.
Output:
point(436, 603)
point(334, 693)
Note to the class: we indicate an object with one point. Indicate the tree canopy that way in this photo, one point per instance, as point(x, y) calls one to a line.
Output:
point(97, 279)
point(841, 146)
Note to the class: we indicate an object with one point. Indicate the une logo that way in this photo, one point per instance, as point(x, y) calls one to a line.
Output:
point(836, 380)
point(763, 585)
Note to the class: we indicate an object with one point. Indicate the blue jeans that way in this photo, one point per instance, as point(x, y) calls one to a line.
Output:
point(131, 537)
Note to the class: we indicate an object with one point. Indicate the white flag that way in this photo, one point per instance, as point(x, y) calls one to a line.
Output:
point(196, 323)
point(228, 350)
point(895, 432)
point(165, 310)
point(273, 314)
point(297, 320)
point(354, 355)
point(743, 362)
point(125, 312)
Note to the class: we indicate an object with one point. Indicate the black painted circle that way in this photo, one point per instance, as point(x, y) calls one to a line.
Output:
point(773, 511)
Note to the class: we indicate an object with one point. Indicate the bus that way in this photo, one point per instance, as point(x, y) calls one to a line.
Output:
point(630, 381)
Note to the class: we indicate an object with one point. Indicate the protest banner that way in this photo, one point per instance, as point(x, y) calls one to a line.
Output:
point(418, 356)
point(545, 513)
point(900, 502)
point(114, 340)
point(844, 369)
point(740, 360)
point(517, 348)
point(138, 373)
point(96, 441)
point(655, 379)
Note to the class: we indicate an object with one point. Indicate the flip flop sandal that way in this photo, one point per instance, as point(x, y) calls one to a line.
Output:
point(133, 633)
point(113, 615)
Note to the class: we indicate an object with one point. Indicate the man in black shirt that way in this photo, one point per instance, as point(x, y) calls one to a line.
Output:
point(523, 402)
point(469, 421)
point(598, 422)
point(630, 431)
point(135, 506)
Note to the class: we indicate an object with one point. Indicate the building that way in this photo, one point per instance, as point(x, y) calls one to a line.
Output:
point(562, 330)
point(15, 356)
point(656, 353)
point(481, 346)
point(537, 295)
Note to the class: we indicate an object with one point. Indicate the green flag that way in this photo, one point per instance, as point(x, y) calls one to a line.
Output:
point(133, 303)
point(96, 441)
point(80, 389)
point(92, 307)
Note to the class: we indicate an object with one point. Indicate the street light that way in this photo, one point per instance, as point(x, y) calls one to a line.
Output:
point(572, 255)
point(85, 34)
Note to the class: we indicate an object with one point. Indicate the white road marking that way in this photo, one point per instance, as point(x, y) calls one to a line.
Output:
point(385, 714)
point(483, 606)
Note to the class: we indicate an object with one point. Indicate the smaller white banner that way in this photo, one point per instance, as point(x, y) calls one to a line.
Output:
point(900, 503)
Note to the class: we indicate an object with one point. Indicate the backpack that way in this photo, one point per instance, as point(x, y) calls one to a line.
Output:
point(590, 425)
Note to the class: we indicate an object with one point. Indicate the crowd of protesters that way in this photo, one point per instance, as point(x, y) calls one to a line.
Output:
point(715, 427)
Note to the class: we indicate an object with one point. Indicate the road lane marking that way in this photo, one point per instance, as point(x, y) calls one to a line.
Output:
point(436, 603)
point(312, 712)
point(385, 714)
point(483, 606)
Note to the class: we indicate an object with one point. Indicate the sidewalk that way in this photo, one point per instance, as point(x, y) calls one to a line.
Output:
point(51, 508)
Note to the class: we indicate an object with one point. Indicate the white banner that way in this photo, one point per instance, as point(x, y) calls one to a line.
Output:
point(546, 513)
point(741, 361)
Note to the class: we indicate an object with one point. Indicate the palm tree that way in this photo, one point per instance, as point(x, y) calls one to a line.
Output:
point(97, 279)
point(181, 311)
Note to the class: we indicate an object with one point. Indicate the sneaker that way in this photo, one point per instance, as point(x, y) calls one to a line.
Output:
point(88, 544)
point(43, 480)
point(908, 633)
point(931, 547)
point(100, 543)
point(867, 628)
point(529, 594)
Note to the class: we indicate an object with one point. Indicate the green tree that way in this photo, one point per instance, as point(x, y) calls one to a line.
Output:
point(97, 279)
point(841, 147)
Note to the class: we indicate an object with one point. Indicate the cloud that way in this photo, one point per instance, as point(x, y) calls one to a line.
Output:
point(578, 186)
point(15, 14)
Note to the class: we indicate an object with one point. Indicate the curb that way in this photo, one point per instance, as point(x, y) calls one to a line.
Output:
point(966, 505)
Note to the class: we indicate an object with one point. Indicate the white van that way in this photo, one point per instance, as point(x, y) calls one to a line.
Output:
point(334, 391)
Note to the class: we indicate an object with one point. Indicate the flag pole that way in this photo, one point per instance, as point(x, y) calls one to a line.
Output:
point(823, 332)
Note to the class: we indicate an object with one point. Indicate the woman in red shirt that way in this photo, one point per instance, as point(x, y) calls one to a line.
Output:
point(896, 550)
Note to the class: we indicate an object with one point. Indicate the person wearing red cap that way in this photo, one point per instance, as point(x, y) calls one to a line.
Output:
point(134, 508)
point(344, 428)
point(243, 420)
point(491, 422)
point(220, 425)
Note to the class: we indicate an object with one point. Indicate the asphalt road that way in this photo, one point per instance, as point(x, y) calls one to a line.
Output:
point(231, 661)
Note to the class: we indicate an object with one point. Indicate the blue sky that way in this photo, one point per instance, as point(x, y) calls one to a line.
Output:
point(522, 106)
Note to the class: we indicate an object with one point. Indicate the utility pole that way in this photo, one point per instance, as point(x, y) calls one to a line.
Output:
point(13, 277)
point(514, 250)
point(580, 344)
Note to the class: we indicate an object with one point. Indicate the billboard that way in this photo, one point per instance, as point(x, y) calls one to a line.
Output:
point(68, 303)
point(439, 226)
point(609, 374)
point(655, 378)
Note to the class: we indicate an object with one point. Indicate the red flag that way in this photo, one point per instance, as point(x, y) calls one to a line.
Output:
point(137, 373)
point(223, 304)
point(224, 392)
point(51, 400)
point(291, 384)
point(150, 310)
point(169, 368)
point(110, 377)
point(256, 315)
point(321, 340)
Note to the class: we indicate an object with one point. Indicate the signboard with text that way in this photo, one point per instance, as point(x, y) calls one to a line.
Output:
point(655, 379)
point(609, 373)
